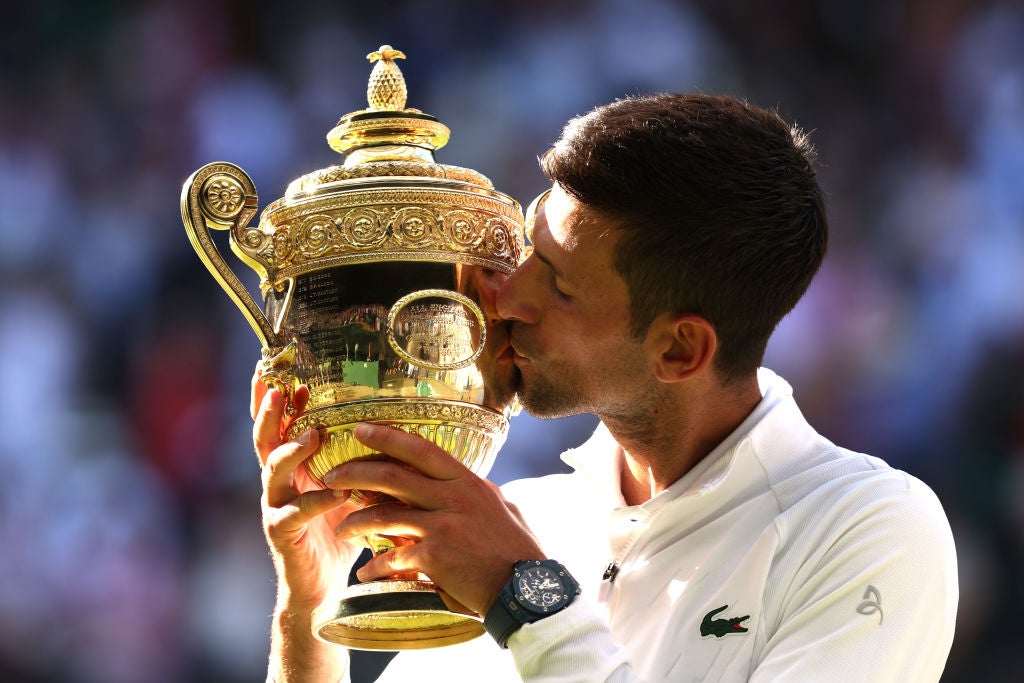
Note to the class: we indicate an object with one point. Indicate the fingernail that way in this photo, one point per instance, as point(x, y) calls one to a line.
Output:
point(340, 493)
point(305, 437)
point(364, 429)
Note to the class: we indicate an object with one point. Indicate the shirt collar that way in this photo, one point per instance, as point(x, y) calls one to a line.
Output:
point(598, 457)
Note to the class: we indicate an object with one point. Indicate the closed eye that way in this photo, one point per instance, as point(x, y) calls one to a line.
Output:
point(559, 288)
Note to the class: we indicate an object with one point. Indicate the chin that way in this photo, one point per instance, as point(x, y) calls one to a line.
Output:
point(548, 405)
point(501, 386)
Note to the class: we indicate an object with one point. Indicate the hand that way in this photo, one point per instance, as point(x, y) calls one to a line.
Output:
point(299, 517)
point(464, 535)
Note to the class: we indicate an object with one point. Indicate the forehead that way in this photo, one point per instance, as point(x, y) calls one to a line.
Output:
point(569, 229)
point(578, 245)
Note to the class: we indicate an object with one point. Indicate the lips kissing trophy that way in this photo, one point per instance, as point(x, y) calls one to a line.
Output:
point(375, 276)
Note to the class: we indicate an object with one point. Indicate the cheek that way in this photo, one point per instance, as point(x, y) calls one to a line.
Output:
point(596, 338)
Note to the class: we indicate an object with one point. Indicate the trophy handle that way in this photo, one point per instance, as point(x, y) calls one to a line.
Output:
point(222, 196)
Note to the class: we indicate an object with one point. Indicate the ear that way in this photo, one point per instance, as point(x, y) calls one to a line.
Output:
point(680, 346)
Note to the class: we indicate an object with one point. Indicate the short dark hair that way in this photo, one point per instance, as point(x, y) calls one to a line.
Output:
point(717, 205)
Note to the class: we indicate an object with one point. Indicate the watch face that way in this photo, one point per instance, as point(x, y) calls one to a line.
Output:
point(541, 587)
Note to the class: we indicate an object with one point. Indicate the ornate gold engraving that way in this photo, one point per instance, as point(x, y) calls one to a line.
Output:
point(442, 331)
point(376, 169)
point(399, 410)
point(340, 228)
point(472, 434)
point(222, 196)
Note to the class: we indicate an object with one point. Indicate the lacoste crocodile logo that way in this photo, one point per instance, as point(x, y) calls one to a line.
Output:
point(721, 627)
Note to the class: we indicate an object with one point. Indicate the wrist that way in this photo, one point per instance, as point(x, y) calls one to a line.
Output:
point(495, 594)
point(289, 601)
point(536, 590)
point(298, 655)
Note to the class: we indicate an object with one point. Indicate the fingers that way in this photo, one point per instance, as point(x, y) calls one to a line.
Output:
point(301, 399)
point(384, 519)
point(284, 521)
point(400, 560)
point(397, 522)
point(281, 463)
point(266, 430)
point(256, 393)
point(428, 458)
point(394, 479)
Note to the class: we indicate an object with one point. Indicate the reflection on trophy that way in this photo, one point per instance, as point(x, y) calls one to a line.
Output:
point(378, 278)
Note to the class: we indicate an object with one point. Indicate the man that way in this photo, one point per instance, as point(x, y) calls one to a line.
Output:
point(715, 535)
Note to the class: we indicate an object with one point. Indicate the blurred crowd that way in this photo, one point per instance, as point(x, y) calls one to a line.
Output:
point(130, 540)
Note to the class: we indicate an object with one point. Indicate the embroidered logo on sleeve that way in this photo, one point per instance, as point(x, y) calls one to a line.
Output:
point(872, 603)
point(721, 627)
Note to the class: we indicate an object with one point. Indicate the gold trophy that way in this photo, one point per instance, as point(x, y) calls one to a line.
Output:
point(378, 278)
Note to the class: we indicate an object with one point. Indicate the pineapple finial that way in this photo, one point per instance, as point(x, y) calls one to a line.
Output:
point(387, 130)
point(386, 89)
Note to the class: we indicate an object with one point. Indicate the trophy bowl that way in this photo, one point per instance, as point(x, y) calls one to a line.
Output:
point(378, 278)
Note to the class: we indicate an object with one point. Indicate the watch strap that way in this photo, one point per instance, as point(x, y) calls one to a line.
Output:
point(507, 615)
point(500, 621)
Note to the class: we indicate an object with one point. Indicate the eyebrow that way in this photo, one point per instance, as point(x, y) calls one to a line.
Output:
point(547, 262)
point(541, 257)
point(531, 230)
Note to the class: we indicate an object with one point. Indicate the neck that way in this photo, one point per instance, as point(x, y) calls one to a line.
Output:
point(675, 436)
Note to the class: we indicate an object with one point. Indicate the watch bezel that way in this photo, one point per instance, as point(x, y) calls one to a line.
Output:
point(567, 586)
point(510, 611)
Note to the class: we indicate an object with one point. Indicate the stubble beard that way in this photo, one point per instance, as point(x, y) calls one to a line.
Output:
point(557, 388)
point(544, 398)
point(547, 389)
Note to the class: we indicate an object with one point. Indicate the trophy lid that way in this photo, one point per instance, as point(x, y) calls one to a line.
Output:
point(387, 131)
point(386, 121)
point(389, 200)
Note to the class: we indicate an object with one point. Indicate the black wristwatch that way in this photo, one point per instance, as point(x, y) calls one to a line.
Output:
point(537, 589)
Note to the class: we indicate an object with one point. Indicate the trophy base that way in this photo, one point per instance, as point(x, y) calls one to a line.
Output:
point(394, 614)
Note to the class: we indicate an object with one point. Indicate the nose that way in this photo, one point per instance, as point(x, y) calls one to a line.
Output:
point(513, 299)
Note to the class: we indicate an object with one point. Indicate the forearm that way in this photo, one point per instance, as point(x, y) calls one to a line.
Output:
point(296, 655)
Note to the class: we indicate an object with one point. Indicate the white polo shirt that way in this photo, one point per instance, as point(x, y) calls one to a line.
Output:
point(778, 557)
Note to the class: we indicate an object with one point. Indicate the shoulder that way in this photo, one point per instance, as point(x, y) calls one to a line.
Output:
point(843, 490)
point(854, 486)
point(811, 477)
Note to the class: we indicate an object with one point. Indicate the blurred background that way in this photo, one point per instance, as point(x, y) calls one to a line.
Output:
point(130, 539)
